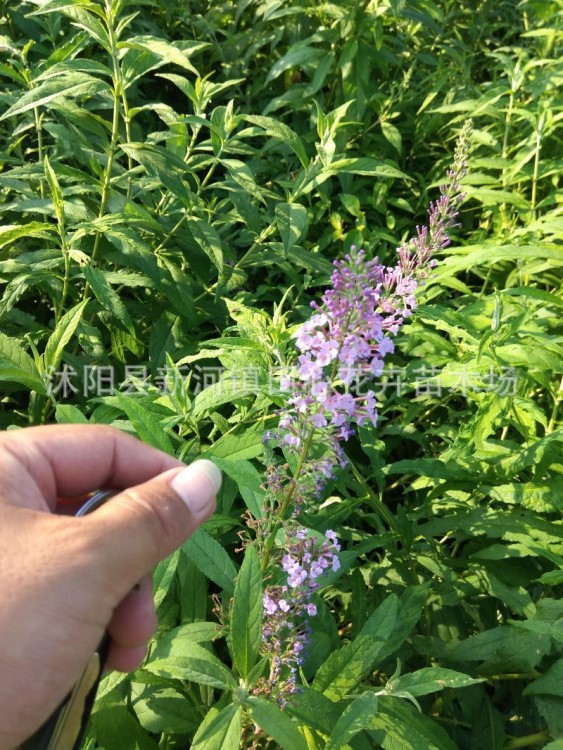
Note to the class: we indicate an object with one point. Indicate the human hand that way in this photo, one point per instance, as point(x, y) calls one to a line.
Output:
point(64, 581)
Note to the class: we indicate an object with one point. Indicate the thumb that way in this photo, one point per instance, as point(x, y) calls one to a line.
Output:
point(142, 525)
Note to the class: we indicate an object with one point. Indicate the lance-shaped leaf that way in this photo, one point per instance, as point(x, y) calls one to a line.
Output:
point(220, 730)
point(211, 558)
point(353, 720)
point(107, 297)
point(246, 622)
point(276, 724)
point(195, 663)
point(62, 334)
point(16, 366)
point(68, 84)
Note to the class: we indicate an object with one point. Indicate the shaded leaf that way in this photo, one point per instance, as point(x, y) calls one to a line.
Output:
point(246, 618)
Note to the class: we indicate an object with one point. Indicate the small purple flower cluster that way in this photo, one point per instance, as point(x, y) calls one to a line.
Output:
point(346, 339)
point(286, 632)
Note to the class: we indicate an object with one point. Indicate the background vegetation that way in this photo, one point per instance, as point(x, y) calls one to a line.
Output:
point(176, 178)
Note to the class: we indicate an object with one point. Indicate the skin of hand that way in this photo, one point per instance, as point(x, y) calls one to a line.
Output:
point(64, 581)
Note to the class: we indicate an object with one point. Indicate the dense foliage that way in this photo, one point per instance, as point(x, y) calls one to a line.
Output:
point(176, 180)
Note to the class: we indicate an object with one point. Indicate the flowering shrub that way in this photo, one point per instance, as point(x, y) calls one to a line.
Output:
point(347, 337)
point(177, 180)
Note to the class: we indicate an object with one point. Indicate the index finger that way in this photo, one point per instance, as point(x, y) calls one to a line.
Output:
point(69, 460)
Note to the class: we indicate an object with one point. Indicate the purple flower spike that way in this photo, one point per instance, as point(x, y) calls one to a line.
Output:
point(340, 350)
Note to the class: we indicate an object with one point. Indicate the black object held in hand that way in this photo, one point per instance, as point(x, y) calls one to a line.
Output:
point(66, 727)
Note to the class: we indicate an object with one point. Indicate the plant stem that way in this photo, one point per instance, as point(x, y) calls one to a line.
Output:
point(39, 129)
point(381, 509)
point(66, 279)
point(539, 133)
point(528, 741)
point(286, 501)
point(181, 221)
point(127, 121)
point(117, 90)
point(558, 399)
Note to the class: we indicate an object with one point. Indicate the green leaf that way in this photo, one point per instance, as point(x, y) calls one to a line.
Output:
point(487, 255)
point(163, 710)
point(246, 618)
point(248, 479)
point(68, 84)
point(363, 165)
point(503, 648)
point(194, 663)
point(491, 197)
point(163, 165)
point(248, 444)
point(163, 575)
point(208, 240)
point(291, 219)
point(550, 683)
point(161, 341)
point(136, 252)
point(107, 297)
point(529, 356)
point(382, 621)
point(172, 643)
point(62, 334)
point(116, 727)
point(58, 6)
point(223, 392)
point(410, 609)
point(398, 724)
point(56, 192)
point(430, 680)
point(346, 668)
point(212, 559)
point(11, 232)
point(393, 135)
point(146, 422)
point(192, 587)
point(167, 51)
point(354, 719)
point(276, 724)
point(243, 176)
point(315, 710)
point(430, 467)
point(16, 366)
point(69, 414)
point(220, 730)
point(282, 132)
point(300, 53)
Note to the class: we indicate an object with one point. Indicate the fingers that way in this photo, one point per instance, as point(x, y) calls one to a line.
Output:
point(142, 525)
point(131, 627)
point(125, 659)
point(134, 622)
point(68, 460)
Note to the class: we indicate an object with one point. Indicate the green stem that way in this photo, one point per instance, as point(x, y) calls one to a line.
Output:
point(286, 501)
point(528, 741)
point(558, 399)
point(382, 510)
point(117, 91)
point(127, 121)
point(532, 675)
point(181, 221)
point(40, 149)
point(257, 242)
point(506, 132)
point(66, 280)
point(535, 175)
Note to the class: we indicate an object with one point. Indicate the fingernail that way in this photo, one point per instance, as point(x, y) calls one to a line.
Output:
point(197, 485)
